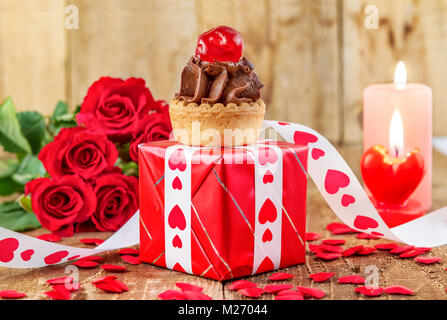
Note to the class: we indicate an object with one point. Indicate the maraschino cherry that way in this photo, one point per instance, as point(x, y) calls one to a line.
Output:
point(222, 44)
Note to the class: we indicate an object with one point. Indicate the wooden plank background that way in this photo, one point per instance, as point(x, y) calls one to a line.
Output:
point(314, 56)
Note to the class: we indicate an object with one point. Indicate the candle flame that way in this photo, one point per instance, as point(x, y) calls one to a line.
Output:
point(400, 75)
point(396, 135)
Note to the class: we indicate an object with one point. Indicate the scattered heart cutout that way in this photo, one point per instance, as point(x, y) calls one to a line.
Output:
point(304, 138)
point(268, 177)
point(267, 155)
point(177, 184)
point(27, 254)
point(177, 218)
point(347, 199)
point(177, 160)
point(177, 242)
point(267, 236)
point(335, 180)
point(317, 153)
point(55, 257)
point(267, 212)
point(7, 248)
point(363, 222)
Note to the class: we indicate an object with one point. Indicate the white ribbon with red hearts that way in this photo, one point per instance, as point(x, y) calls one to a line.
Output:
point(330, 173)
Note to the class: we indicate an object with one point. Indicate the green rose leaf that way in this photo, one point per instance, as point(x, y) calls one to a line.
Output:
point(14, 217)
point(61, 118)
point(32, 125)
point(25, 202)
point(8, 186)
point(11, 137)
point(60, 110)
point(8, 167)
point(29, 168)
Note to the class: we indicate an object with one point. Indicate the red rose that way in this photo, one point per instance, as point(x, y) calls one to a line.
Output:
point(114, 107)
point(154, 127)
point(117, 200)
point(59, 204)
point(78, 151)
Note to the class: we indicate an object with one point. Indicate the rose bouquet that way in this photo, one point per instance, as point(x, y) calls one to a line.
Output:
point(78, 171)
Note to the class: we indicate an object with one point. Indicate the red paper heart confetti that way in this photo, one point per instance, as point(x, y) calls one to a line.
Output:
point(328, 255)
point(369, 291)
point(267, 212)
point(61, 280)
point(315, 248)
point(335, 180)
point(339, 228)
point(331, 248)
point(411, 253)
point(312, 236)
point(86, 264)
point(334, 242)
point(50, 237)
point(73, 257)
point(109, 287)
point(289, 297)
point(27, 254)
point(366, 251)
point(351, 251)
point(92, 241)
point(278, 276)
point(363, 235)
point(274, 288)
point(119, 284)
point(129, 251)
point(253, 292)
point(312, 292)
point(176, 218)
point(364, 222)
point(113, 268)
point(188, 287)
point(93, 258)
point(195, 295)
point(241, 284)
point(322, 276)
point(398, 289)
point(135, 260)
point(58, 294)
point(172, 295)
point(386, 246)
point(289, 292)
point(11, 294)
point(427, 260)
point(177, 160)
point(401, 249)
point(71, 287)
point(352, 279)
point(104, 279)
point(7, 248)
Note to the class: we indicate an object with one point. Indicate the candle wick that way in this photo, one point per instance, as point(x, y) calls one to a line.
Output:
point(396, 152)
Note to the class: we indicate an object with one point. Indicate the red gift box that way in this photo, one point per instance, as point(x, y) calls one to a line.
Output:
point(222, 213)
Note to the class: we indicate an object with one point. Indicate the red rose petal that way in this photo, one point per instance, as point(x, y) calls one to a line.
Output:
point(278, 276)
point(113, 268)
point(135, 260)
point(411, 253)
point(312, 292)
point(386, 246)
point(60, 280)
point(331, 248)
point(58, 294)
point(352, 279)
point(92, 258)
point(289, 297)
point(322, 276)
point(427, 260)
point(188, 287)
point(253, 292)
point(274, 288)
point(365, 251)
point(129, 251)
point(92, 241)
point(349, 252)
point(398, 289)
point(195, 295)
point(104, 279)
point(172, 295)
point(334, 242)
point(401, 249)
point(86, 264)
point(363, 235)
point(312, 236)
point(370, 292)
point(11, 294)
point(50, 237)
point(241, 284)
point(328, 255)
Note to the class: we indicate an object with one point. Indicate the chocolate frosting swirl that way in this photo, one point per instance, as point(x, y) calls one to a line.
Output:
point(224, 82)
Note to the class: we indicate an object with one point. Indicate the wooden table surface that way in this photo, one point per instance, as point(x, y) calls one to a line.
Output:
point(146, 281)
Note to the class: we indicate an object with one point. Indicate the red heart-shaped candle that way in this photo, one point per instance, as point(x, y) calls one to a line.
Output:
point(222, 44)
point(391, 180)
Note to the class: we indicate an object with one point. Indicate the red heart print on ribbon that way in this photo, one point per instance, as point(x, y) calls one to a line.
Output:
point(267, 212)
point(55, 257)
point(177, 242)
point(267, 155)
point(335, 180)
point(347, 199)
point(177, 218)
point(317, 153)
point(177, 184)
point(7, 248)
point(266, 265)
point(363, 222)
point(268, 177)
point(27, 254)
point(304, 138)
point(267, 236)
point(177, 160)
